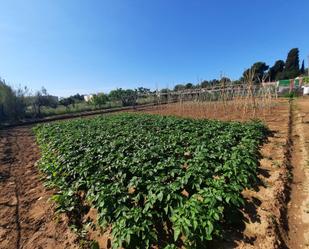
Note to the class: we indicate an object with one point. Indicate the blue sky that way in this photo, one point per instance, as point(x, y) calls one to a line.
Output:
point(75, 46)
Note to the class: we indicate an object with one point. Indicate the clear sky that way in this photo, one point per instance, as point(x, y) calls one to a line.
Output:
point(86, 46)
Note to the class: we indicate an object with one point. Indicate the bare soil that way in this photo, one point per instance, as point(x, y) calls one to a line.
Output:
point(28, 220)
point(298, 207)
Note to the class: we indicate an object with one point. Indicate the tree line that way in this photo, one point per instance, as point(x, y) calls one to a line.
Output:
point(126, 97)
point(16, 104)
point(288, 69)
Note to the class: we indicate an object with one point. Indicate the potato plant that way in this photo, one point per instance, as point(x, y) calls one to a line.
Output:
point(156, 180)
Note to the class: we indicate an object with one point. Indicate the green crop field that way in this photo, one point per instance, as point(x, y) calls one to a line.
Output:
point(162, 181)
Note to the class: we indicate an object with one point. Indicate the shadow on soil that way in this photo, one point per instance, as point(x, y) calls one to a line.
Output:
point(237, 218)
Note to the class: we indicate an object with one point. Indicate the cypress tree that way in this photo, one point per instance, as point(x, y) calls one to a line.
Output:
point(302, 69)
point(292, 64)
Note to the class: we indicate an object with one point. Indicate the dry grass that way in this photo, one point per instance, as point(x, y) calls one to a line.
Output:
point(237, 109)
point(245, 101)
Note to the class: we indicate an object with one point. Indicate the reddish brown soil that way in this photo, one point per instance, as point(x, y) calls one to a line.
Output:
point(27, 219)
point(298, 208)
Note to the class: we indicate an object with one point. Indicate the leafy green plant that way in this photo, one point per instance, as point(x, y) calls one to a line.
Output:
point(290, 95)
point(156, 180)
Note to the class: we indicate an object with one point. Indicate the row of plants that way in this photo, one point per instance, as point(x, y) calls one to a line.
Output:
point(162, 181)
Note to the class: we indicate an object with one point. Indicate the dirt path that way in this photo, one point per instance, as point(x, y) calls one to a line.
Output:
point(298, 207)
point(26, 216)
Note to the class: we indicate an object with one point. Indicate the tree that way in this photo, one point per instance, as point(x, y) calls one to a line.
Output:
point(291, 69)
point(12, 102)
point(99, 99)
point(205, 84)
point(165, 90)
point(226, 79)
point(42, 98)
point(72, 100)
point(276, 70)
point(6, 94)
point(143, 90)
point(67, 101)
point(237, 82)
point(127, 97)
point(258, 69)
point(179, 87)
point(214, 82)
point(77, 97)
point(302, 69)
point(189, 86)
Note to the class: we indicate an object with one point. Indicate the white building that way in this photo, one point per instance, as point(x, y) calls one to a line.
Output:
point(88, 97)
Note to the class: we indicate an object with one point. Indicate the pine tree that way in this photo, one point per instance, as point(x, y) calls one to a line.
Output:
point(259, 68)
point(276, 70)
